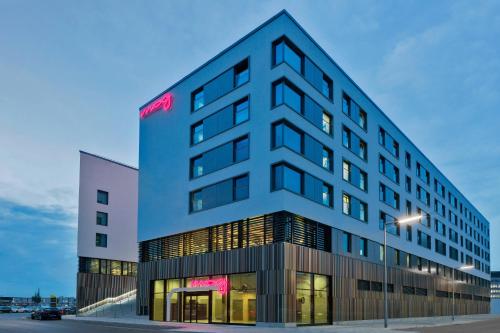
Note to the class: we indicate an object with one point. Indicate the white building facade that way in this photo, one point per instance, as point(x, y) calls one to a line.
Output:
point(107, 229)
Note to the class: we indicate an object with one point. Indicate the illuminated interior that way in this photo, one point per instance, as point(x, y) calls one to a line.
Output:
point(234, 301)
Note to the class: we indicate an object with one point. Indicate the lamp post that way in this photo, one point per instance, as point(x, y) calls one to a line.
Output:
point(394, 221)
point(462, 268)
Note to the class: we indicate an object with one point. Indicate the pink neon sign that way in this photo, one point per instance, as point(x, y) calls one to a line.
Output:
point(164, 102)
point(222, 284)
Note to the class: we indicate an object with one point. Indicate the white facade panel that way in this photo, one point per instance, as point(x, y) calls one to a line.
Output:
point(120, 181)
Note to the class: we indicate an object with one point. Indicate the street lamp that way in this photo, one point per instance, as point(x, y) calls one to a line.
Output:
point(462, 268)
point(394, 221)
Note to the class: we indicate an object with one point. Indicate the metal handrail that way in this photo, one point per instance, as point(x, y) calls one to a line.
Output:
point(107, 301)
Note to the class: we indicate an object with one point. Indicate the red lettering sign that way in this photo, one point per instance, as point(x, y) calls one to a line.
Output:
point(222, 284)
point(164, 102)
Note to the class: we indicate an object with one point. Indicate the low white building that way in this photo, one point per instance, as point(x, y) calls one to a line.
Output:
point(107, 229)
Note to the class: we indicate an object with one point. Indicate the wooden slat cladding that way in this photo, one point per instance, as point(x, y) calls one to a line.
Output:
point(92, 288)
point(276, 266)
point(256, 231)
point(351, 304)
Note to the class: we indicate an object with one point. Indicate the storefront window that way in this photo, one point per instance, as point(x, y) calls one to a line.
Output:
point(243, 307)
point(321, 290)
point(174, 300)
point(158, 299)
point(304, 298)
point(312, 299)
point(219, 305)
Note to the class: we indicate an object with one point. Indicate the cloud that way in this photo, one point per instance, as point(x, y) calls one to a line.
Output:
point(38, 246)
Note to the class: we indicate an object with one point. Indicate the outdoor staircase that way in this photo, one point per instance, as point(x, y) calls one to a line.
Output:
point(119, 306)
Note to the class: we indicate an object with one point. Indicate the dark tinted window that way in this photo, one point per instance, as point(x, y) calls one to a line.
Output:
point(101, 240)
point(241, 111)
point(241, 73)
point(241, 149)
point(102, 197)
point(102, 218)
point(285, 52)
point(241, 188)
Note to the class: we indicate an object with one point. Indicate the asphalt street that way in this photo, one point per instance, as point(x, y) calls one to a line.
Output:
point(19, 323)
point(485, 326)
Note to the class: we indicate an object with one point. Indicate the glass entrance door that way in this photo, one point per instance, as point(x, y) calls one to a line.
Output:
point(196, 308)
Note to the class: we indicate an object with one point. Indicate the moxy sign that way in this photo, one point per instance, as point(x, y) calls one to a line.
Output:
point(164, 102)
point(222, 284)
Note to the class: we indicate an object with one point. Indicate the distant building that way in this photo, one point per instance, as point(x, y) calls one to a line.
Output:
point(495, 292)
point(107, 229)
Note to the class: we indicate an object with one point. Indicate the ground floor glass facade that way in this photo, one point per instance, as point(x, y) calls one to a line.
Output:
point(235, 305)
point(313, 305)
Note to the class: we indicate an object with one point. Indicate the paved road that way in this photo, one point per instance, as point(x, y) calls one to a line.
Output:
point(485, 326)
point(18, 323)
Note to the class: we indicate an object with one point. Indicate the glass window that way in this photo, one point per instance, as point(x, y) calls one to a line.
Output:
point(102, 197)
point(346, 137)
point(243, 296)
point(408, 160)
point(346, 107)
point(241, 188)
point(362, 180)
point(408, 233)
point(285, 94)
point(327, 158)
point(349, 169)
point(346, 174)
point(346, 207)
point(198, 99)
point(116, 267)
point(292, 180)
point(174, 300)
point(347, 242)
point(321, 293)
point(105, 267)
point(292, 98)
point(363, 247)
point(284, 52)
point(362, 211)
point(241, 112)
point(94, 266)
point(197, 166)
point(197, 133)
point(293, 58)
point(196, 201)
point(362, 119)
point(101, 240)
point(158, 300)
point(326, 87)
point(362, 150)
point(102, 218)
point(304, 298)
point(327, 123)
point(292, 139)
point(241, 149)
point(241, 73)
point(327, 195)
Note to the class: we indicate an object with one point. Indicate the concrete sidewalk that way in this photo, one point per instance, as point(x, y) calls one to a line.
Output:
point(362, 326)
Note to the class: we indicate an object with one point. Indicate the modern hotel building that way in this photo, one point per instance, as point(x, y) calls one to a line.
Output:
point(265, 179)
point(107, 229)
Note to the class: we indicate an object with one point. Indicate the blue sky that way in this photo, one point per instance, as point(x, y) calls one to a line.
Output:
point(73, 74)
